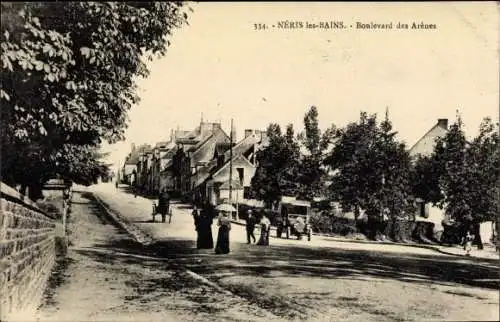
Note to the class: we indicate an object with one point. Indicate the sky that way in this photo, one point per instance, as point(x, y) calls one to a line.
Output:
point(219, 67)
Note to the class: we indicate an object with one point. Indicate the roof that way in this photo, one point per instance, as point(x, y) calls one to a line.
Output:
point(167, 166)
point(190, 137)
point(221, 148)
point(235, 158)
point(200, 143)
point(161, 144)
point(204, 151)
point(132, 160)
point(436, 126)
point(170, 153)
point(242, 146)
point(202, 174)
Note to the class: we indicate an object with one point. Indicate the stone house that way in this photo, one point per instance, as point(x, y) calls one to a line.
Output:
point(143, 166)
point(194, 151)
point(243, 166)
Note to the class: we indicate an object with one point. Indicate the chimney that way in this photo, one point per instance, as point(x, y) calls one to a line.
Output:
point(233, 134)
point(205, 129)
point(132, 147)
point(263, 136)
point(172, 135)
point(248, 132)
point(443, 123)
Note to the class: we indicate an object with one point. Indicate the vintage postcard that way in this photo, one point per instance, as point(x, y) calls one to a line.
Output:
point(249, 161)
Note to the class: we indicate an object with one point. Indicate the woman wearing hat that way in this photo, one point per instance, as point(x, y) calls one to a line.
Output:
point(224, 223)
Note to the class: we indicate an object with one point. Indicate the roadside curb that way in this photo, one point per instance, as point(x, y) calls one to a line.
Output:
point(429, 247)
point(131, 229)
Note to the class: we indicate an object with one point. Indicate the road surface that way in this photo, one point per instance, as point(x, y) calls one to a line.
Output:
point(110, 277)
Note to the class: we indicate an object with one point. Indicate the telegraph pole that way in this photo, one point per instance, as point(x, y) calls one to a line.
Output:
point(231, 164)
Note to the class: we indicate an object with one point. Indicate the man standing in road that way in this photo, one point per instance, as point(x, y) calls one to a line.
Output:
point(164, 204)
point(250, 226)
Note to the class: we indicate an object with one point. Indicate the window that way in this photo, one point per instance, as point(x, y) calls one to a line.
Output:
point(240, 174)
point(424, 210)
point(246, 192)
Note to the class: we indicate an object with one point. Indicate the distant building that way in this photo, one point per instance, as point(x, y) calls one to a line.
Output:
point(425, 146)
point(243, 166)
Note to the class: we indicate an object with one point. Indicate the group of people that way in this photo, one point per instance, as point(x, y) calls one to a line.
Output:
point(203, 220)
point(265, 228)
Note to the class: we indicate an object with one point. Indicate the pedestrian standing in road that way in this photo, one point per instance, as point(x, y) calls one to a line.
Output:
point(467, 241)
point(265, 227)
point(204, 229)
point(250, 226)
point(196, 215)
point(224, 223)
point(164, 204)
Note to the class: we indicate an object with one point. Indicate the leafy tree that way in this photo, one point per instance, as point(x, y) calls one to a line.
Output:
point(276, 172)
point(425, 180)
point(450, 156)
point(396, 195)
point(372, 171)
point(470, 175)
point(312, 173)
point(69, 72)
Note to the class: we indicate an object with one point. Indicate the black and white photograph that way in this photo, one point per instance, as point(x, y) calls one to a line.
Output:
point(249, 161)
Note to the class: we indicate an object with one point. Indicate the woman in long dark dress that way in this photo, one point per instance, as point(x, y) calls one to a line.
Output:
point(204, 227)
point(265, 227)
point(224, 223)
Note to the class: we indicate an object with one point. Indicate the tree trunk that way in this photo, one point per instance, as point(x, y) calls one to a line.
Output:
point(395, 230)
point(35, 191)
point(373, 227)
point(356, 213)
point(477, 235)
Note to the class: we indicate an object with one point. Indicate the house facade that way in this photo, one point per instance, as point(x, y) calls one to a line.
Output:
point(241, 167)
point(425, 147)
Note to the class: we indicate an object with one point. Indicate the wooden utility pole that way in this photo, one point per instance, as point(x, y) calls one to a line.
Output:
point(231, 164)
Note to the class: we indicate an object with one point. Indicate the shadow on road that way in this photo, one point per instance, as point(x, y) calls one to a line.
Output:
point(303, 261)
point(354, 264)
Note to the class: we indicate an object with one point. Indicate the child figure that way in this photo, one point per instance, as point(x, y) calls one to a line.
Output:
point(468, 243)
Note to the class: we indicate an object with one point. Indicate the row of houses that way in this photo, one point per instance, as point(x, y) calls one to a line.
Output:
point(196, 165)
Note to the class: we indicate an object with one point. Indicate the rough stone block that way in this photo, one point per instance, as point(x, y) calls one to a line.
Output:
point(7, 248)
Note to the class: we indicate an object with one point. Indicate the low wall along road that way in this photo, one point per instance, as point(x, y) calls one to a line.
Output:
point(27, 254)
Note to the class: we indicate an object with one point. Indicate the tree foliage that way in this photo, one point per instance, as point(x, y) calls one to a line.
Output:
point(425, 177)
point(372, 169)
point(312, 173)
point(69, 72)
point(470, 173)
point(276, 172)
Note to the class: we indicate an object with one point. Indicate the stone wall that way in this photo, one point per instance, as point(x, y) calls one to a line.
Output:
point(27, 254)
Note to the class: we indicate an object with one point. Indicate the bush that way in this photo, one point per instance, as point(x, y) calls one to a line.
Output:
point(325, 222)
